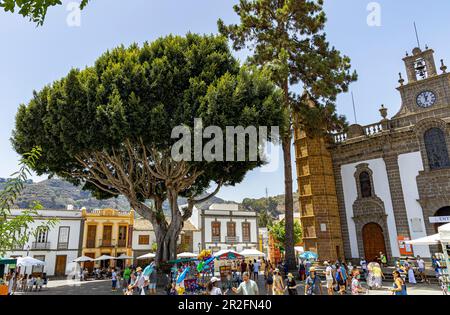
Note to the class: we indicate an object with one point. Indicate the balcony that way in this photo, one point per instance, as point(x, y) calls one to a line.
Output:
point(232, 239)
point(40, 246)
point(216, 239)
point(106, 243)
point(122, 243)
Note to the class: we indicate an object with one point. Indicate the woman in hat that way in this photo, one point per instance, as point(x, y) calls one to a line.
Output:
point(278, 283)
point(291, 285)
point(313, 284)
point(213, 288)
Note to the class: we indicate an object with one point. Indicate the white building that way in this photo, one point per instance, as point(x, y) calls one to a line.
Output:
point(58, 246)
point(224, 226)
point(144, 237)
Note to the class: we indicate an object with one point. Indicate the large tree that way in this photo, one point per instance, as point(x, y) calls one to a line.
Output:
point(35, 10)
point(109, 127)
point(287, 37)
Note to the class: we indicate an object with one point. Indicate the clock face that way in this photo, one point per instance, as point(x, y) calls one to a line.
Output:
point(426, 99)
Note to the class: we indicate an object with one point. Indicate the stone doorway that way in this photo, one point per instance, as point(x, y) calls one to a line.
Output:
point(373, 240)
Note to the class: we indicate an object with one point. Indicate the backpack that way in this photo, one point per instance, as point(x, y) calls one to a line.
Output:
point(338, 275)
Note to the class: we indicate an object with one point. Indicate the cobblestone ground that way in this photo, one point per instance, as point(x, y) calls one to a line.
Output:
point(103, 287)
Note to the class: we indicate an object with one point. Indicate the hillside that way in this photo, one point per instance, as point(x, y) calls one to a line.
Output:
point(57, 194)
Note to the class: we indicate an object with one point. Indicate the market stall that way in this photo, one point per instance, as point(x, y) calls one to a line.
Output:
point(444, 234)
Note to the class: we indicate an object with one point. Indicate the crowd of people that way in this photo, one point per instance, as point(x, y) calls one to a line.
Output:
point(25, 282)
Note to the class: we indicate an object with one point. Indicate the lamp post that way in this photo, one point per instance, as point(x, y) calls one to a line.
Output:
point(199, 248)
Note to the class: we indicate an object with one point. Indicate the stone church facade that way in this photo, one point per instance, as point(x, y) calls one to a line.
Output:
point(391, 179)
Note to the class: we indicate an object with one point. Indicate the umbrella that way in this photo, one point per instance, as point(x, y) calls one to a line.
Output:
point(83, 259)
point(252, 253)
point(104, 257)
point(29, 261)
point(429, 240)
point(123, 256)
point(147, 256)
point(228, 255)
point(187, 255)
point(309, 255)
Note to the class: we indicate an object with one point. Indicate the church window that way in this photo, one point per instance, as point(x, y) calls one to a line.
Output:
point(436, 147)
point(365, 184)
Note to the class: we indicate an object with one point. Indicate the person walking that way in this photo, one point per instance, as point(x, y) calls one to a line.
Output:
point(278, 283)
point(356, 286)
point(383, 259)
point(153, 279)
point(421, 269)
point(256, 266)
point(247, 287)
point(329, 278)
point(313, 285)
point(302, 270)
point(291, 285)
point(363, 264)
point(269, 282)
point(410, 270)
point(399, 285)
point(341, 278)
point(114, 280)
point(126, 277)
point(243, 268)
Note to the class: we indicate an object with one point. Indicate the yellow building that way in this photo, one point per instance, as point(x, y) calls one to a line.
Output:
point(107, 232)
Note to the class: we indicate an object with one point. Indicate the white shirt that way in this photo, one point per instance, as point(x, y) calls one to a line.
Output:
point(329, 273)
point(215, 291)
point(421, 264)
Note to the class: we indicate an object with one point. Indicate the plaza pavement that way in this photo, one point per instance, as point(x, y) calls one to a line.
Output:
point(103, 287)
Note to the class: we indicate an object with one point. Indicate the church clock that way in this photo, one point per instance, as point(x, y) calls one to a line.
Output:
point(426, 99)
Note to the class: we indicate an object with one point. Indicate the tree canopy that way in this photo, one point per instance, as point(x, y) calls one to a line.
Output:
point(108, 127)
point(35, 10)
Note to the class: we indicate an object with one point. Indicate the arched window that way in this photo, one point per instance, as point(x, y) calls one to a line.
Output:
point(365, 184)
point(436, 147)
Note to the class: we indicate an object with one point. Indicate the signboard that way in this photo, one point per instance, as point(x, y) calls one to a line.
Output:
point(405, 250)
point(445, 219)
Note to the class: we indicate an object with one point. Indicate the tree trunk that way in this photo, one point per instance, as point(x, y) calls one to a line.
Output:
point(288, 205)
point(288, 197)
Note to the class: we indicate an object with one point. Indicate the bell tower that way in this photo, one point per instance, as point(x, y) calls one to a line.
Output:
point(426, 89)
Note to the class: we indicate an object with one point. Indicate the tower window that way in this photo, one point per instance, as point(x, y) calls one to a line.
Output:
point(421, 68)
point(436, 147)
point(365, 184)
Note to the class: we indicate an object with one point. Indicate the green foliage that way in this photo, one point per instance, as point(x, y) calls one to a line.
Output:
point(287, 38)
point(278, 232)
point(35, 10)
point(16, 231)
point(143, 93)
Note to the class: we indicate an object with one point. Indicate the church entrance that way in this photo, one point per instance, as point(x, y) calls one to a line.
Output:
point(373, 240)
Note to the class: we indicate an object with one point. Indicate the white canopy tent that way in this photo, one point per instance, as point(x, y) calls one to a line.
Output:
point(187, 255)
point(146, 256)
point(428, 240)
point(252, 253)
point(104, 257)
point(124, 257)
point(444, 232)
point(83, 259)
point(29, 262)
point(299, 249)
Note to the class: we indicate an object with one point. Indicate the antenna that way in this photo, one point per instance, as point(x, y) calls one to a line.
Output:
point(417, 35)
point(354, 108)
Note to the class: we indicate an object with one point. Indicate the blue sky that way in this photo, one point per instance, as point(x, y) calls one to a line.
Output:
point(31, 57)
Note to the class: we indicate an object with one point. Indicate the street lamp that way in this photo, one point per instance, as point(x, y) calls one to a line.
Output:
point(199, 247)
